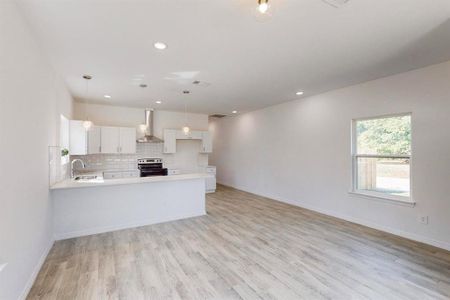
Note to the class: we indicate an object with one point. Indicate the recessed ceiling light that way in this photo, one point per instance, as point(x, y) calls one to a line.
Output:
point(234, 112)
point(299, 93)
point(143, 85)
point(160, 45)
point(158, 102)
point(107, 96)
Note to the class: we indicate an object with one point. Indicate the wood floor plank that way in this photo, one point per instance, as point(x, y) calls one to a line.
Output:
point(246, 247)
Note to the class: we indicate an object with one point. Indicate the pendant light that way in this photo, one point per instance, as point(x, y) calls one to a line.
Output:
point(263, 6)
point(185, 128)
point(87, 124)
point(263, 12)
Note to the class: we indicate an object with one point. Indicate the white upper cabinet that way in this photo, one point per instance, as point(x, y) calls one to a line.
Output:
point(93, 140)
point(110, 138)
point(170, 140)
point(206, 142)
point(172, 135)
point(127, 140)
point(191, 135)
point(78, 138)
point(105, 139)
point(118, 140)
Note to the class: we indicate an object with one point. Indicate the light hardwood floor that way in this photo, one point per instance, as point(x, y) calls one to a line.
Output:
point(246, 247)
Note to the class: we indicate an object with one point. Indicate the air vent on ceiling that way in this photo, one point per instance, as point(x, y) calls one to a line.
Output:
point(217, 116)
point(201, 83)
point(335, 3)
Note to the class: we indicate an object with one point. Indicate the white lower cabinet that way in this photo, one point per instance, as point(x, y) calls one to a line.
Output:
point(211, 182)
point(112, 175)
point(173, 172)
point(120, 174)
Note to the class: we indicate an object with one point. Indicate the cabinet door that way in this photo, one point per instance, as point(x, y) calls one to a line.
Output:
point(127, 140)
point(93, 140)
point(196, 135)
point(170, 141)
point(110, 139)
point(206, 142)
point(210, 184)
point(78, 138)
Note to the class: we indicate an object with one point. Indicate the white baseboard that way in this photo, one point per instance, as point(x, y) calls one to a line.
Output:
point(97, 230)
point(408, 235)
point(36, 270)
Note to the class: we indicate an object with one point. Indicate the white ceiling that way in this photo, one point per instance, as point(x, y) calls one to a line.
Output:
point(248, 62)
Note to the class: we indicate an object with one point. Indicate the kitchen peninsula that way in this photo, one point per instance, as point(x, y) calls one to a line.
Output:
point(85, 208)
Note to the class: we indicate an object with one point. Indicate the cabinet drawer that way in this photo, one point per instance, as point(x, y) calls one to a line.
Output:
point(173, 172)
point(112, 175)
point(130, 174)
point(211, 170)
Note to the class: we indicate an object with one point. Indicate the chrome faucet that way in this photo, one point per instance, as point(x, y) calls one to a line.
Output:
point(71, 166)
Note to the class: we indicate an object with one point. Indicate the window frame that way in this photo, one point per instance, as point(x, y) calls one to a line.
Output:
point(354, 159)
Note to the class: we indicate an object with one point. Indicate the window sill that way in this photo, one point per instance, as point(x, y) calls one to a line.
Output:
point(404, 201)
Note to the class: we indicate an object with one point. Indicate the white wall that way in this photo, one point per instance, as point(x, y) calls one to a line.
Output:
point(31, 100)
point(299, 152)
point(187, 158)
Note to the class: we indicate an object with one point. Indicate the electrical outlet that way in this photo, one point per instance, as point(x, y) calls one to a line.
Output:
point(422, 219)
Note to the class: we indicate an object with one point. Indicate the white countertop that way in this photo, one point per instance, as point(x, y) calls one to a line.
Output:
point(71, 184)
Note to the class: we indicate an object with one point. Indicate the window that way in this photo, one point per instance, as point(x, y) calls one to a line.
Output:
point(381, 150)
point(64, 139)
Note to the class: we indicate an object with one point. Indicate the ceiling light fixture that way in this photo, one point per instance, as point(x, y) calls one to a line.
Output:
point(234, 112)
point(107, 96)
point(143, 85)
point(87, 124)
point(263, 6)
point(299, 93)
point(158, 102)
point(160, 45)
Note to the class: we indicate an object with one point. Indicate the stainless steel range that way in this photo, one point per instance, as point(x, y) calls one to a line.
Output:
point(151, 167)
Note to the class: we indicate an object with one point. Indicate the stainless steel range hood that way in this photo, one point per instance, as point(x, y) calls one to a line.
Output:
point(149, 137)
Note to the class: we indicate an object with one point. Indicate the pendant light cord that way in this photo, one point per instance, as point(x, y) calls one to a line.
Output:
point(185, 113)
point(87, 94)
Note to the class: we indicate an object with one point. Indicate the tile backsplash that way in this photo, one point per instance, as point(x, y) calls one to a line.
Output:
point(103, 162)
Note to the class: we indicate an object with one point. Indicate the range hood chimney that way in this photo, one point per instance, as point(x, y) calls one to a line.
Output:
point(148, 134)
